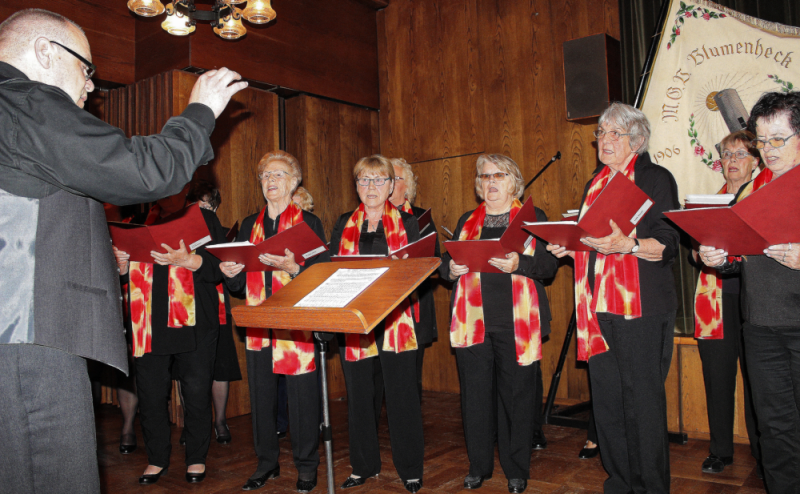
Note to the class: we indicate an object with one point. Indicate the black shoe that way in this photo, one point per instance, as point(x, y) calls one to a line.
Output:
point(715, 464)
point(413, 485)
point(152, 478)
point(587, 453)
point(182, 440)
point(225, 437)
point(259, 482)
point(194, 478)
point(517, 485)
point(475, 481)
point(127, 444)
point(539, 441)
point(306, 485)
point(353, 482)
point(281, 435)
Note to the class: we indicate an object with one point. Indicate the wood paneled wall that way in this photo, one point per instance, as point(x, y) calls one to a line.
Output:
point(108, 25)
point(461, 77)
point(328, 138)
point(245, 131)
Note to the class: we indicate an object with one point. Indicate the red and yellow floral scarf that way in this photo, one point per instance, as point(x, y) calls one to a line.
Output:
point(406, 208)
point(180, 290)
point(616, 285)
point(467, 325)
point(708, 323)
point(399, 335)
point(293, 351)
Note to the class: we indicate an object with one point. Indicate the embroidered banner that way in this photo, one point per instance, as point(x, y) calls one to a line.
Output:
point(711, 66)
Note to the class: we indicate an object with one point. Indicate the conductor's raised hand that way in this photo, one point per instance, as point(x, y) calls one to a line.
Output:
point(214, 89)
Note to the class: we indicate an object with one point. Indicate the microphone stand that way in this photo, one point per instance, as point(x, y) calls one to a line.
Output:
point(552, 160)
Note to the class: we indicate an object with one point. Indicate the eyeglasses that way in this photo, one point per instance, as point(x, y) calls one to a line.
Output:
point(364, 181)
point(496, 176)
point(276, 174)
point(776, 142)
point(88, 67)
point(611, 134)
point(740, 154)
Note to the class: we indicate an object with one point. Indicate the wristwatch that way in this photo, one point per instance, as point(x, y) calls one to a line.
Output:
point(635, 248)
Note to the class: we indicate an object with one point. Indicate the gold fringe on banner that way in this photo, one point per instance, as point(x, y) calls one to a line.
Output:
point(772, 27)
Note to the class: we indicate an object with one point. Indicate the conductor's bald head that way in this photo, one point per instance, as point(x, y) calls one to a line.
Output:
point(37, 41)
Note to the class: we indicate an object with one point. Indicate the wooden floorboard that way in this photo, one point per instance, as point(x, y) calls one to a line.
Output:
point(555, 470)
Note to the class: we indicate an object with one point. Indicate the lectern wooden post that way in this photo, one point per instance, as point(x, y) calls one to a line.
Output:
point(359, 316)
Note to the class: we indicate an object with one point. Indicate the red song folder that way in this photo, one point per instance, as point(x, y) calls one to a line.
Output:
point(424, 247)
point(765, 217)
point(138, 241)
point(476, 253)
point(621, 200)
point(299, 239)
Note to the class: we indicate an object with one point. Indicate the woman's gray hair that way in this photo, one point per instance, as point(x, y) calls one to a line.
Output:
point(289, 160)
point(504, 164)
point(409, 177)
point(633, 121)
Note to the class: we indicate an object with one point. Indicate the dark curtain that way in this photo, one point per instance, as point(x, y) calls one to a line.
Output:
point(638, 19)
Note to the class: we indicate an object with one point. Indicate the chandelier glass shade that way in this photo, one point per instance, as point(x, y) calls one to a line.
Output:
point(225, 17)
point(146, 8)
point(259, 12)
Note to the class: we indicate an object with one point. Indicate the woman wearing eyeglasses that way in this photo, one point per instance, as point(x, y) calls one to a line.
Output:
point(625, 308)
point(718, 325)
point(498, 321)
point(770, 296)
point(274, 352)
point(377, 227)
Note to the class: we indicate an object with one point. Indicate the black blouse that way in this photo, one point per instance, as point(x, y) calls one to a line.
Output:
point(498, 306)
point(656, 281)
point(238, 284)
point(426, 327)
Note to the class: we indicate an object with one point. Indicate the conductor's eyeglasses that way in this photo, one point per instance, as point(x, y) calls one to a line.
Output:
point(364, 181)
point(88, 67)
point(776, 142)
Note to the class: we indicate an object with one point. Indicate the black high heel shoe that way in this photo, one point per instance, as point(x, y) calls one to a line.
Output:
point(225, 437)
point(152, 478)
point(127, 444)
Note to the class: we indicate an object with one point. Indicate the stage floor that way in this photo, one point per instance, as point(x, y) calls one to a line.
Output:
point(556, 469)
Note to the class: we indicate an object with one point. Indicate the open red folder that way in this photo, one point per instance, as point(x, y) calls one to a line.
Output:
point(424, 247)
point(476, 253)
point(299, 239)
point(138, 241)
point(765, 217)
point(424, 220)
point(621, 200)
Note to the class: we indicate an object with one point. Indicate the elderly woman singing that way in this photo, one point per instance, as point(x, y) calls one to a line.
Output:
point(274, 352)
point(377, 227)
point(770, 296)
point(625, 308)
point(498, 321)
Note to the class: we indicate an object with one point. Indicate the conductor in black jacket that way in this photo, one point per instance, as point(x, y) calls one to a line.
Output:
point(60, 285)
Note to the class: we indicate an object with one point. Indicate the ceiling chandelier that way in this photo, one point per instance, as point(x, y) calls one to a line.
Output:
point(225, 16)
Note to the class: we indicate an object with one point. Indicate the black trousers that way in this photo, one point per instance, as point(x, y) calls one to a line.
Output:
point(402, 408)
point(773, 364)
point(630, 404)
point(303, 397)
point(47, 430)
point(153, 385)
point(719, 359)
point(513, 398)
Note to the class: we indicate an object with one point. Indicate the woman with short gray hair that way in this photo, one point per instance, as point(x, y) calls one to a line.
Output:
point(625, 305)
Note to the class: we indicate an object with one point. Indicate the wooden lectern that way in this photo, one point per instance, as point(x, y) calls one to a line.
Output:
point(359, 316)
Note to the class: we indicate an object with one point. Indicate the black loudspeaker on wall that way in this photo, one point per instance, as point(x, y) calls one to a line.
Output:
point(592, 75)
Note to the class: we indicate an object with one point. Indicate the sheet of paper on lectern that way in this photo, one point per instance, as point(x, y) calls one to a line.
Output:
point(341, 288)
